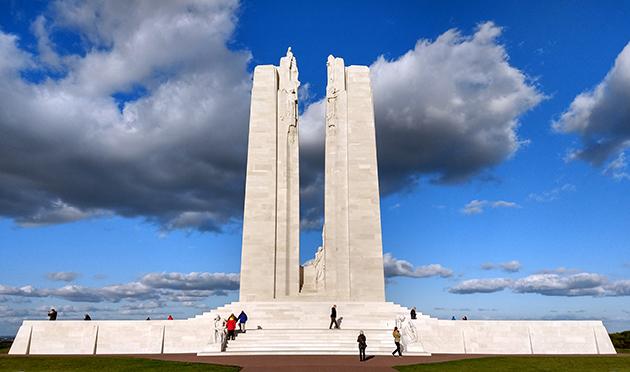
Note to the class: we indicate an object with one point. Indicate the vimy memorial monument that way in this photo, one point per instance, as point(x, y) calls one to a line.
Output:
point(289, 304)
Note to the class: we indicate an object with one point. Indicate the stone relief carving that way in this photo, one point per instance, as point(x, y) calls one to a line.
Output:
point(331, 93)
point(219, 332)
point(290, 111)
point(408, 331)
point(320, 267)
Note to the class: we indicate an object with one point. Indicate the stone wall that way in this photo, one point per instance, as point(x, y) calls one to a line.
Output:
point(513, 337)
point(113, 337)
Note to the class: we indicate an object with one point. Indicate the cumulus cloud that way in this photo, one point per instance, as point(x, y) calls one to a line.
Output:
point(481, 286)
point(177, 287)
point(62, 276)
point(456, 92)
point(580, 284)
point(553, 194)
point(477, 206)
point(149, 119)
point(549, 284)
point(192, 281)
point(509, 266)
point(394, 267)
point(601, 117)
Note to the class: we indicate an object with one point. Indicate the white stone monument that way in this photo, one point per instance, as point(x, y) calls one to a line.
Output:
point(270, 267)
point(288, 305)
point(350, 265)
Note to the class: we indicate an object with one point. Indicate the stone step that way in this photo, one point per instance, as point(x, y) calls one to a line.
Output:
point(307, 352)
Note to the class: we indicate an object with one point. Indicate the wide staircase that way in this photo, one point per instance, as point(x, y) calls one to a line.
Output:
point(285, 327)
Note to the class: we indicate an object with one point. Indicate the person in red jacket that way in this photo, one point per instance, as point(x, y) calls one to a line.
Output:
point(231, 327)
point(170, 317)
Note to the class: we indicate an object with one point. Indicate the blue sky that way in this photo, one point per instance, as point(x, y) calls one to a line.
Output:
point(503, 131)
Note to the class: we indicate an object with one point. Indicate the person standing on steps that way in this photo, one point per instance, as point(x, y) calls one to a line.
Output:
point(52, 314)
point(333, 317)
point(242, 319)
point(413, 312)
point(362, 345)
point(396, 335)
point(231, 327)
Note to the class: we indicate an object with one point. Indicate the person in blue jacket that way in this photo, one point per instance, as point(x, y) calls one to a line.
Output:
point(242, 319)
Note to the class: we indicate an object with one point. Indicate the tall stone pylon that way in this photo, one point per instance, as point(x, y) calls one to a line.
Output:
point(352, 249)
point(270, 266)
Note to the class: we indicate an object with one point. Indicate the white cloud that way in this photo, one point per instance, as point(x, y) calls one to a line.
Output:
point(474, 207)
point(549, 284)
point(477, 206)
point(618, 168)
point(153, 286)
point(553, 194)
point(62, 276)
point(192, 281)
point(481, 286)
point(456, 92)
point(174, 153)
point(504, 204)
point(45, 47)
point(394, 267)
point(601, 117)
point(509, 266)
point(580, 284)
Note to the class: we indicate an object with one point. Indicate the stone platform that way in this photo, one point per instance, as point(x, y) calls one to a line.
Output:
point(301, 328)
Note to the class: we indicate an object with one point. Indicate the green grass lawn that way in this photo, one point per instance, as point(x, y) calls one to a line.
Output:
point(529, 363)
point(91, 363)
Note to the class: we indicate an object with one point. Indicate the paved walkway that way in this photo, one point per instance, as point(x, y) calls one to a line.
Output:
point(319, 363)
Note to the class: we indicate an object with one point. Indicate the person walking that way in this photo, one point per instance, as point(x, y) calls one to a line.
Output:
point(396, 335)
point(52, 314)
point(333, 317)
point(413, 313)
point(362, 345)
point(231, 327)
point(242, 319)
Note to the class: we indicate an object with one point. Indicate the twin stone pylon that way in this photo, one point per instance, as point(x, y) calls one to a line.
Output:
point(349, 265)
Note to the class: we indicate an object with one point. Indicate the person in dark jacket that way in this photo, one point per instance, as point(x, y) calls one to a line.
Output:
point(413, 313)
point(87, 317)
point(52, 314)
point(333, 317)
point(242, 319)
point(362, 340)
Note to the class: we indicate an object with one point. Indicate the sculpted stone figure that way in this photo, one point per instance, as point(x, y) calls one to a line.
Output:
point(331, 93)
point(408, 331)
point(290, 112)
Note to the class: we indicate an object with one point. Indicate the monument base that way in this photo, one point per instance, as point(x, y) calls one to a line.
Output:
point(301, 328)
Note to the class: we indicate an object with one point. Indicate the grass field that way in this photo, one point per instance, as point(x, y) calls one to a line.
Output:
point(526, 364)
point(54, 364)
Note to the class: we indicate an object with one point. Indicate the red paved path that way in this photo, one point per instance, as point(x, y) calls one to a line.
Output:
point(319, 363)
